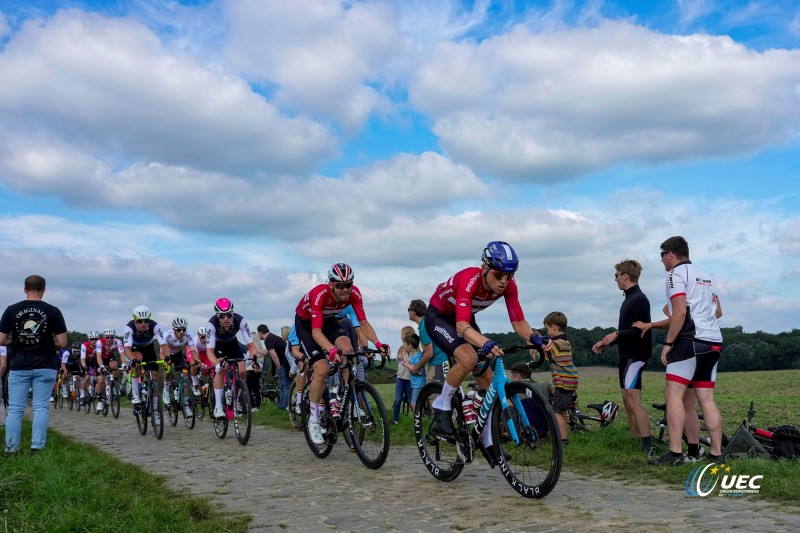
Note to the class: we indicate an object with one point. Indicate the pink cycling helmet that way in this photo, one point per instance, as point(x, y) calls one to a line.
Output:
point(223, 305)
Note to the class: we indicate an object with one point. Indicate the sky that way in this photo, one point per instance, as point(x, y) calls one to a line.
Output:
point(169, 153)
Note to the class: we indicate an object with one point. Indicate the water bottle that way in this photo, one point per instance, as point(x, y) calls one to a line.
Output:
point(228, 397)
point(335, 410)
point(467, 407)
point(477, 401)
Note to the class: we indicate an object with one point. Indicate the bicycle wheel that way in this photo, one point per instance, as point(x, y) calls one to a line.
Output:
point(368, 427)
point(535, 463)
point(157, 414)
point(294, 416)
point(220, 424)
point(144, 411)
point(324, 449)
point(59, 400)
point(114, 400)
point(202, 404)
point(105, 405)
point(172, 406)
point(439, 456)
point(188, 401)
point(242, 415)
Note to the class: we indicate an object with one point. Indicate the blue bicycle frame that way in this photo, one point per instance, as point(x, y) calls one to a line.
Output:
point(497, 390)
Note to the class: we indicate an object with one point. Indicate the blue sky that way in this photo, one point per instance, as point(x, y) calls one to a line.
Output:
point(169, 153)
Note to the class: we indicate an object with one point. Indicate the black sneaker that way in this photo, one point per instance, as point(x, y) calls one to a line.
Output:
point(666, 459)
point(443, 423)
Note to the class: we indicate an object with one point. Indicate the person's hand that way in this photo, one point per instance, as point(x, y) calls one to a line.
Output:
point(383, 348)
point(665, 355)
point(539, 340)
point(644, 326)
point(491, 349)
point(333, 354)
point(598, 347)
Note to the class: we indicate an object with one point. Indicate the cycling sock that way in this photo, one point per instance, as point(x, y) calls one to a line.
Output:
point(360, 371)
point(443, 402)
point(218, 396)
point(314, 413)
point(694, 450)
point(647, 443)
point(673, 454)
point(82, 393)
point(486, 436)
point(195, 380)
point(135, 391)
point(299, 397)
point(167, 386)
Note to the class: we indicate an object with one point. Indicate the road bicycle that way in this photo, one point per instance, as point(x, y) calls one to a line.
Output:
point(362, 419)
point(112, 394)
point(152, 406)
point(75, 379)
point(58, 399)
point(91, 393)
point(236, 400)
point(528, 451)
point(181, 396)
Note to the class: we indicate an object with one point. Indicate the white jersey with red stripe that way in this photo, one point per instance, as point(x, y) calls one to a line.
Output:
point(463, 295)
point(90, 349)
point(107, 349)
point(176, 344)
point(701, 322)
point(319, 304)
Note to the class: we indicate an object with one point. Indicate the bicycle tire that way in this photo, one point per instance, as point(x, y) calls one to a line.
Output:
point(188, 400)
point(200, 412)
point(438, 456)
point(172, 406)
point(294, 417)
point(105, 408)
point(144, 411)
point(157, 414)
point(324, 449)
point(535, 464)
point(242, 413)
point(114, 400)
point(368, 425)
point(59, 400)
point(220, 424)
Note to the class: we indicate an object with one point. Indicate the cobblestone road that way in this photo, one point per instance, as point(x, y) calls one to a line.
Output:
point(277, 480)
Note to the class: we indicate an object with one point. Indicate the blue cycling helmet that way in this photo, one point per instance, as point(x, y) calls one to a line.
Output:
point(499, 255)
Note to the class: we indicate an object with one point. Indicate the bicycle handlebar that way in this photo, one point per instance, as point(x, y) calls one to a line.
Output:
point(518, 347)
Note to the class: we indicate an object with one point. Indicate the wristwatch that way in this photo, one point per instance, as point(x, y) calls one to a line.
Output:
point(668, 343)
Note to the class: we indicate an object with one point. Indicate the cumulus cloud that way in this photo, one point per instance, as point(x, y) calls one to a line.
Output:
point(555, 105)
point(111, 87)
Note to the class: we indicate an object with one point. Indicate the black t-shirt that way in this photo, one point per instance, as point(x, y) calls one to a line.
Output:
point(276, 342)
point(630, 342)
point(31, 325)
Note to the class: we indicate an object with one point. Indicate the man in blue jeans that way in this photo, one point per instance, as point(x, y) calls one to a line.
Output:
point(31, 329)
point(275, 349)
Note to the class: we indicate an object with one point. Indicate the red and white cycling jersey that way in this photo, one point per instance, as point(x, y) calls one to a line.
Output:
point(90, 351)
point(691, 281)
point(107, 349)
point(319, 304)
point(463, 295)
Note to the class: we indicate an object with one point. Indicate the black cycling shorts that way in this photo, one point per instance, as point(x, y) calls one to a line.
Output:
point(331, 328)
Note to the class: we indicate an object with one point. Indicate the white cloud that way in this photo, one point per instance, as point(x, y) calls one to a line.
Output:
point(5, 29)
point(552, 106)
point(692, 10)
point(111, 87)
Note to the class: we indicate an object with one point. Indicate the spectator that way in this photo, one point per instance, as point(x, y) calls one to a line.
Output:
point(3, 384)
point(635, 348)
point(275, 348)
point(418, 375)
point(253, 380)
point(402, 388)
point(522, 372)
point(32, 328)
point(432, 355)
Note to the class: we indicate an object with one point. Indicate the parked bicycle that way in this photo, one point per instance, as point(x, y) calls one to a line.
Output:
point(236, 399)
point(529, 457)
point(361, 418)
point(661, 439)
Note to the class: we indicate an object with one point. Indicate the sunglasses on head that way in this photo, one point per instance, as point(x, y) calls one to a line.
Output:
point(180, 330)
point(343, 285)
point(225, 315)
point(500, 276)
point(145, 321)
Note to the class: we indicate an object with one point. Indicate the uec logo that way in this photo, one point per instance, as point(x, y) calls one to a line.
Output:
point(730, 485)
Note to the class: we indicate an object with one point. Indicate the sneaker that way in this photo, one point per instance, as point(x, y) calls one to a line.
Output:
point(395, 422)
point(442, 423)
point(99, 405)
point(219, 412)
point(666, 459)
point(315, 432)
point(187, 411)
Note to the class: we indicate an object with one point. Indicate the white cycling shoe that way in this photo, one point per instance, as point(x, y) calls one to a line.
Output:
point(187, 411)
point(315, 432)
point(99, 405)
point(219, 412)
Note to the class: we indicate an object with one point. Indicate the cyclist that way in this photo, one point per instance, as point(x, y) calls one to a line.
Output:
point(200, 345)
point(294, 351)
point(321, 335)
point(106, 360)
point(177, 338)
point(450, 323)
point(89, 362)
point(222, 343)
point(138, 345)
point(60, 353)
point(70, 364)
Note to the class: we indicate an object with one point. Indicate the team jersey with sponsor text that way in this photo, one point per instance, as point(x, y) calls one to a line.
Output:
point(319, 304)
point(463, 295)
point(701, 301)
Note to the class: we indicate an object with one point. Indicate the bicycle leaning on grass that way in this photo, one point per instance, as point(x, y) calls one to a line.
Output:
point(529, 458)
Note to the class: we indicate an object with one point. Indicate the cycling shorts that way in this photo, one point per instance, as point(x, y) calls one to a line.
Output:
point(75, 368)
point(694, 363)
point(148, 356)
point(229, 350)
point(178, 359)
point(630, 373)
point(441, 329)
point(331, 328)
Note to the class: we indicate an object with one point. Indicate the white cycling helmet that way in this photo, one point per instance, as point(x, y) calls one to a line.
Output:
point(141, 312)
point(179, 323)
point(93, 335)
point(340, 272)
point(609, 412)
point(109, 332)
point(202, 331)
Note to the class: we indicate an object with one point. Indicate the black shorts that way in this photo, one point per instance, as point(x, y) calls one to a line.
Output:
point(74, 368)
point(148, 356)
point(630, 373)
point(331, 328)
point(693, 363)
point(227, 350)
point(178, 359)
point(561, 399)
point(441, 329)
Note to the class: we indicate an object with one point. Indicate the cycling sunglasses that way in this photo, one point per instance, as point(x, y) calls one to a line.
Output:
point(500, 276)
point(145, 321)
point(343, 285)
point(180, 330)
point(225, 315)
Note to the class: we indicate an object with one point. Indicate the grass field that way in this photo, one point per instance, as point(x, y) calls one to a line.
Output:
point(610, 452)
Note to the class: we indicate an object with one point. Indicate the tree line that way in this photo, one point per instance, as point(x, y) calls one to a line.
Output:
point(742, 351)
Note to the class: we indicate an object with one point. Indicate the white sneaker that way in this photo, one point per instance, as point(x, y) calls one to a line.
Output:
point(315, 431)
point(187, 411)
point(52, 400)
point(63, 394)
point(219, 412)
point(99, 405)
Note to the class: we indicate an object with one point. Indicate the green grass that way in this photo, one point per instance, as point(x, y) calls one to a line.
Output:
point(70, 487)
point(612, 453)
